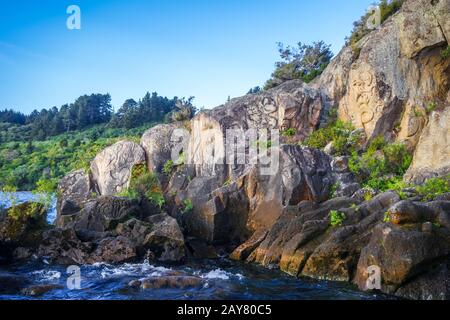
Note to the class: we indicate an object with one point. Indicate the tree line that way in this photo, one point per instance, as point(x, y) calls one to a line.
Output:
point(89, 110)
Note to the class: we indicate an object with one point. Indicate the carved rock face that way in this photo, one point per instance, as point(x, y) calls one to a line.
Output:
point(73, 190)
point(111, 168)
point(432, 155)
point(158, 143)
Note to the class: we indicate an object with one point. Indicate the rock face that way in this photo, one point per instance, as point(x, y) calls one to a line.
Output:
point(22, 231)
point(431, 157)
point(253, 202)
point(379, 88)
point(73, 190)
point(278, 213)
point(159, 142)
point(111, 168)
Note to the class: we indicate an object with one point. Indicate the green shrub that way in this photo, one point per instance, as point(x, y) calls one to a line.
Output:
point(337, 218)
point(289, 133)
point(144, 184)
point(446, 52)
point(188, 206)
point(338, 132)
point(360, 30)
point(381, 171)
point(431, 107)
point(168, 167)
point(434, 187)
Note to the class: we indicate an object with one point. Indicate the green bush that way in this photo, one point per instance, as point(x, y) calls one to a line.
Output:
point(144, 185)
point(338, 132)
point(337, 218)
point(446, 52)
point(168, 167)
point(434, 187)
point(381, 171)
point(188, 206)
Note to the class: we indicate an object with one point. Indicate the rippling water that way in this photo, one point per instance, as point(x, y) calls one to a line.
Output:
point(219, 279)
point(24, 196)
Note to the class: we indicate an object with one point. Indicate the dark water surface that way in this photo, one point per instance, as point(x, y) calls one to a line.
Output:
point(220, 279)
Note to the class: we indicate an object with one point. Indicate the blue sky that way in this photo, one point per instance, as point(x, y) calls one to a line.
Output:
point(210, 49)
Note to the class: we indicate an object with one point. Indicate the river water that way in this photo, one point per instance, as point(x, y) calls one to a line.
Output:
point(219, 279)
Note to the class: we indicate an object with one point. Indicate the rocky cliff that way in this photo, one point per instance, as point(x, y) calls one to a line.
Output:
point(394, 83)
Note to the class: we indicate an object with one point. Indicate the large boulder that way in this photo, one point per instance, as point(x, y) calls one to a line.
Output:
point(431, 157)
point(101, 214)
point(402, 254)
point(159, 143)
point(112, 168)
point(73, 190)
point(252, 202)
point(21, 227)
point(158, 238)
point(303, 241)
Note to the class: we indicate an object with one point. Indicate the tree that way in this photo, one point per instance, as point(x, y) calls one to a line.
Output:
point(184, 110)
point(255, 90)
point(304, 62)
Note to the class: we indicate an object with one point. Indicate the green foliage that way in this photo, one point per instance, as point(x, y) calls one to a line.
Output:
point(303, 62)
point(431, 107)
point(144, 185)
point(434, 187)
point(50, 161)
point(382, 166)
point(445, 53)
point(387, 217)
point(184, 110)
point(188, 206)
point(337, 218)
point(360, 29)
point(289, 133)
point(337, 132)
point(334, 189)
point(168, 167)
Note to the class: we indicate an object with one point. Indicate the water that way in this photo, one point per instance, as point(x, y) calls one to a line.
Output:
point(218, 279)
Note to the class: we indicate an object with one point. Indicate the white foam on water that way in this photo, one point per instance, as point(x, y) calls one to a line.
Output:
point(47, 275)
point(221, 275)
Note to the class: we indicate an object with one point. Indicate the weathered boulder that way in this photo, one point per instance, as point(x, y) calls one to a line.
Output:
point(408, 212)
point(21, 226)
point(73, 190)
point(158, 238)
point(402, 254)
point(111, 169)
point(40, 289)
point(302, 241)
point(101, 214)
point(168, 282)
point(113, 250)
point(62, 246)
point(159, 143)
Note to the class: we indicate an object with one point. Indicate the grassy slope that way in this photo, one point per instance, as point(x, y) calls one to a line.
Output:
point(50, 160)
